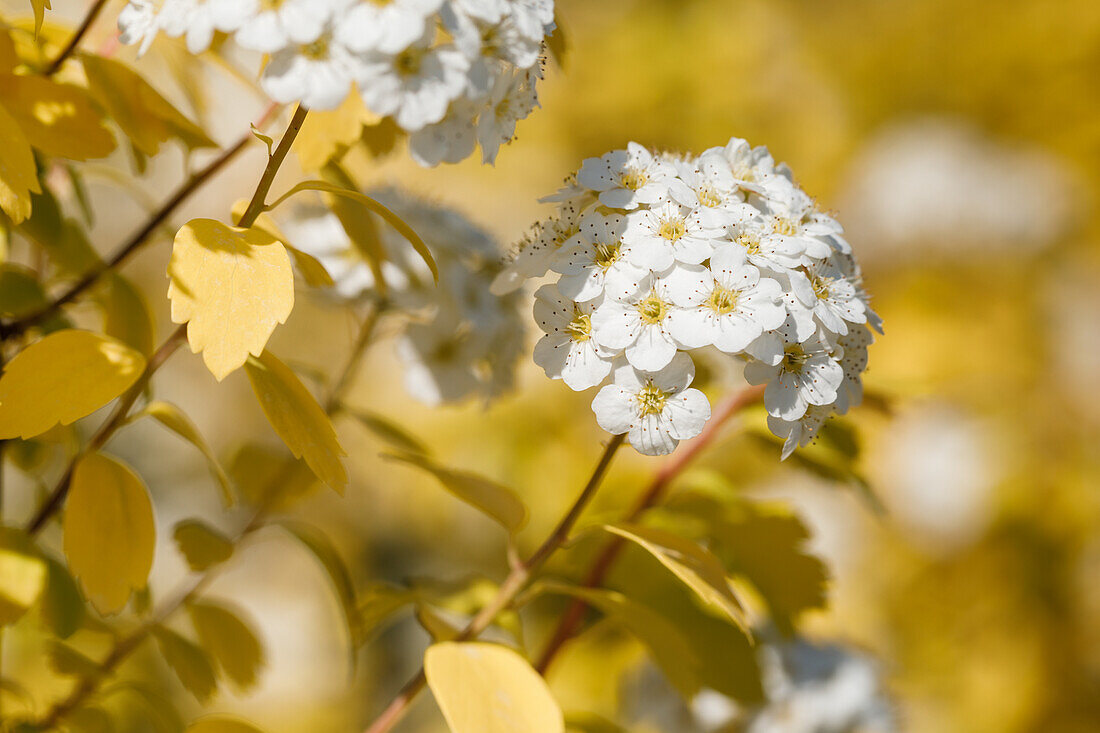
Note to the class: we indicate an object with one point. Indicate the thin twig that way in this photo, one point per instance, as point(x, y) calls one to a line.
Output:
point(70, 47)
point(515, 582)
point(570, 621)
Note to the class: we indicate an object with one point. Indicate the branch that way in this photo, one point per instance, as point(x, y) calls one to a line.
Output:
point(654, 493)
point(509, 589)
point(70, 47)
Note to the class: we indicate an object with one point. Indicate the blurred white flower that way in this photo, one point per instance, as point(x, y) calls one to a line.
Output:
point(198, 19)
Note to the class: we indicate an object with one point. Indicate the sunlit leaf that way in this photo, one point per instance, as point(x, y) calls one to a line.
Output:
point(201, 545)
point(175, 420)
point(694, 565)
point(62, 605)
point(109, 531)
point(188, 661)
point(317, 543)
point(388, 431)
point(62, 378)
point(391, 218)
point(126, 315)
point(142, 113)
point(487, 688)
point(499, 502)
point(231, 287)
point(18, 176)
point(297, 418)
point(229, 641)
point(327, 132)
point(58, 119)
point(68, 662)
point(22, 580)
point(221, 724)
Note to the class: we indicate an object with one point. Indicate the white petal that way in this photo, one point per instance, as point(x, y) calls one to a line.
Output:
point(687, 413)
point(652, 350)
point(615, 409)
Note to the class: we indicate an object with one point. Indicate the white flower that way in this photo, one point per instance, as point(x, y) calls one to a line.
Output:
point(753, 169)
point(317, 74)
point(794, 219)
point(138, 23)
point(805, 375)
point(708, 187)
point(451, 140)
point(627, 178)
point(534, 254)
point(595, 261)
point(641, 325)
point(273, 26)
point(568, 351)
point(832, 299)
point(799, 433)
point(667, 232)
point(198, 19)
point(512, 99)
point(389, 27)
point(439, 360)
point(655, 409)
point(416, 85)
point(731, 310)
point(763, 248)
point(854, 362)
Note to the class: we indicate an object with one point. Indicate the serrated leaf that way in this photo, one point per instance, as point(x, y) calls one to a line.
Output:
point(18, 174)
point(126, 315)
point(499, 502)
point(229, 641)
point(175, 420)
point(387, 430)
point(62, 605)
point(231, 287)
point(327, 132)
point(487, 688)
point(142, 113)
point(58, 119)
point(68, 662)
point(297, 418)
point(317, 543)
point(201, 545)
point(62, 378)
point(188, 661)
point(221, 724)
point(109, 531)
point(390, 217)
point(22, 580)
point(694, 565)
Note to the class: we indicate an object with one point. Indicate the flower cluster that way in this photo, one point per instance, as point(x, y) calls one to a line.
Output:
point(657, 255)
point(451, 73)
point(459, 340)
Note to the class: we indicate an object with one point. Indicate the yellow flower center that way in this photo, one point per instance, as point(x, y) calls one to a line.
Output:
point(794, 358)
point(743, 172)
point(822, 286)
point(652, 309)
point(672, 229)
point(408, 61)
point(750, 242)
point(607, 255)
point(709, 197)
point(651, 400)
point(580, 328)
point(786, 227)
point(722, 300)
point(633, 178)
point(316, 50)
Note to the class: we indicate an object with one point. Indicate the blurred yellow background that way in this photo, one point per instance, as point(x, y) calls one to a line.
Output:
point(958, 142)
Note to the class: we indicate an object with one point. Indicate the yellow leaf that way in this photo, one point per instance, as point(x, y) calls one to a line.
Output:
point(311, 269)
point(142, 113)
point(229, 641)
point(231, 287)
point(20, 291)
point(202, 546)
point(62, 605)
point(18, 176)
point(297, 418)
point(221, 724)
point(499, 502)
point(40, 7)
point(694, 565)
point(175, 420)
point(22, 579)
point(486, 688)
point(109, 531)
point(58, 119)
point(188, 661)
point(270, 477)
point(62, 378)
point(325, 132)
point(126, 315)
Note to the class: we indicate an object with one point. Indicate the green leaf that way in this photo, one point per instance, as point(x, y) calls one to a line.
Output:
point(302, 424)
point(221, 724)
point(201, 545)
point(142, 113)
point(109, 531)
point(188, 661)
point(62, 378)
point(230, 642)
point(694, 565)
point(387, 430)
point(22, 580)
point(488, 688)
point(68, 662)
point(20, 291)
point(62, 604)
point(391, 218)
point(318, 543)
point(175, 420)
point(499, 502)
point(126, 314)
